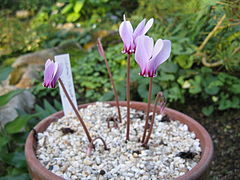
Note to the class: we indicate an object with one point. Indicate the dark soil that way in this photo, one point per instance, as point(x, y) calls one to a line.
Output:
point(224, 128)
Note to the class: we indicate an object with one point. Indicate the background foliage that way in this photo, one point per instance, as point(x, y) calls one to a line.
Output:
point(203, 68)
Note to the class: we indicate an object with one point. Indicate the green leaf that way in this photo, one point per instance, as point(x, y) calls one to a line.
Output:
point(57, 105)
point(49, 107)
point(4, 73)
point(143, 90)
point(107, 96)
point(19, 123)
point(14, 172)
point(18, 177)
point(72, 17)
point(207, 111)
point(7, 97)
point(235, 102)
point(224, 102)
point(169, 67)
point(166, 77)
point(78, 6)
point(235, 88)
point(174, 93)
point(156, 88)
point(185, 61)
point(212, 90)
point(121, 90)
point(177, 48)
point(88, 84)
point(42, 113)
point(67, 8)
point(216, 83)
point(206, 70)
point(20, 138)
point(195, 85)
point(16, 159)
point(3, 141)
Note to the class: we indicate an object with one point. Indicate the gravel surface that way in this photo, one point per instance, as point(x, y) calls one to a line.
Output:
point(224, 128)
point(63, 147)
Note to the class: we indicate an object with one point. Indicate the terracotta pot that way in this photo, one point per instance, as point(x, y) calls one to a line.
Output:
point(200, 171)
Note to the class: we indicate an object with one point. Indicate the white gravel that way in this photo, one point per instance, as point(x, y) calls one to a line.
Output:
point(65, 154)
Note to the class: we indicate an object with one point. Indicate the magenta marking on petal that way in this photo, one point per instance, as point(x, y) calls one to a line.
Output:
point(149, 74)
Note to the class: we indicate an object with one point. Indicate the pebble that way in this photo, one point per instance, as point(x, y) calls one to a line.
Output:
point(65, 154)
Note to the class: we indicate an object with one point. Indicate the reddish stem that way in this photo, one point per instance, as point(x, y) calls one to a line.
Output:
point(115, 123)
point(76, 111)
point(159, 95)
point(102, 53)
point(148, 108)
point(128, 97)
point(91, 146)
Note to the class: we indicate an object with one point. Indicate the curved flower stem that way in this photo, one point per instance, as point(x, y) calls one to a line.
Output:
point(148, 108)
point(76, 111)
point(128, 96)
point(115, 125)
point(104, 143)
point(102, 53)
point(159, 95)
point(92, 146)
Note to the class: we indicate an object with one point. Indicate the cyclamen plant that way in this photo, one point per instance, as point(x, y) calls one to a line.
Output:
point(52, 74)
point(129, 38)
point(147, 55)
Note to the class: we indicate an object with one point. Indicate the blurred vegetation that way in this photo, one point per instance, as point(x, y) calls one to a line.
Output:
point(204, 65)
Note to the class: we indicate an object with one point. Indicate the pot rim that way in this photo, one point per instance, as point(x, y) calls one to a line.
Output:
point(205, 141)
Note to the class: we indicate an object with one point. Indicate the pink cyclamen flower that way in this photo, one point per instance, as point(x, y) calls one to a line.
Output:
point(52, 73)
point(150, 56)
point(129, 36)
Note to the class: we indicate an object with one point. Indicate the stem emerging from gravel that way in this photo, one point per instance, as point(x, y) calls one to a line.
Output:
point(76, 111)
point(128, 96)
point(102, 53)
point(148, 108)
point(115, 125)
point(91, 146)
point(159, 95)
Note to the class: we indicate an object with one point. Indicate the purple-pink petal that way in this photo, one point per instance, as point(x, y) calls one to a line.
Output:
point(48, 72)
point(143, 51)
point(139, 29)
point(129, 37)
point(52, 73)
point(48, 62)
point(157, 48)
point(57, 74)
point(148, 26)
point(126, 34)
point(161, 57)
point(148, 57)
